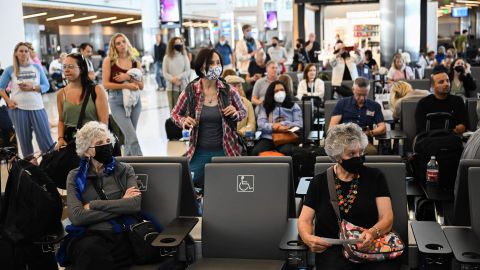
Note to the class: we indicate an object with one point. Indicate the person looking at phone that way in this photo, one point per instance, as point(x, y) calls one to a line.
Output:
point(257, 68)
point(362, 111)
point(370, 207)
point(344, 64)
point(25, 104)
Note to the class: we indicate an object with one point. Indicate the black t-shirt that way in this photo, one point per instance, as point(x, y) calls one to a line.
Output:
point(364, 213)
point(371, 63)
point(430, 104)
point(311, 53)
point(253, 69)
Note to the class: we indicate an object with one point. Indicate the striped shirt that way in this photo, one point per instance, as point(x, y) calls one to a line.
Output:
point(230, 141)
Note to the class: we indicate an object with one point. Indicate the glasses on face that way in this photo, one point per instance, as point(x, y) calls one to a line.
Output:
point(70, 66)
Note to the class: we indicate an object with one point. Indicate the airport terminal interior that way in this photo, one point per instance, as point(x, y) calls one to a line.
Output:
point(240, 134)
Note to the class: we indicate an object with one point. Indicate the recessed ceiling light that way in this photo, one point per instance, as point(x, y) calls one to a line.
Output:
point(122, 20)
point(104, 19)
point(134, 22)
point(60, 17)
point(34, 15)
point(84, 18)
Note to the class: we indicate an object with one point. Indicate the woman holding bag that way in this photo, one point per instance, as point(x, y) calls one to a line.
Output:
point(71, 98)
point(362, 197)
point(276, 117)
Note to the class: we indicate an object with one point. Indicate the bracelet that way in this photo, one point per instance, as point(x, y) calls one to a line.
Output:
point(377, 231)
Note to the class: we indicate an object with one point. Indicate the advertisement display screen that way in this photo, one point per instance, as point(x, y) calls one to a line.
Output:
point(272, 21)
point(169, 11)
point(460, 12)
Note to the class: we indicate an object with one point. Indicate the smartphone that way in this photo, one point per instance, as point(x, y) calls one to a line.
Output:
point(349, 48)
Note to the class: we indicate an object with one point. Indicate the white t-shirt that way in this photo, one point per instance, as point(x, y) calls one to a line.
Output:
point(277, 53)
point(55, 66)
point(26, 100)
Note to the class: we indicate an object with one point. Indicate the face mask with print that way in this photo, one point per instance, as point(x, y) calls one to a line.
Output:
point(213, 73)
point(280, 96)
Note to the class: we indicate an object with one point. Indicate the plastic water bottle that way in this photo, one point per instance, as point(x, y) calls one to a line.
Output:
point(432, 171)
point(186, 135)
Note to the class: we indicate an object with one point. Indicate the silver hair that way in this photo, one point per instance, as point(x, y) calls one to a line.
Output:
point(88, 133)
point(344, 136)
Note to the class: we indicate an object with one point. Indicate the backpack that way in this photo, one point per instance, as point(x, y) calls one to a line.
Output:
point(32, 205)
point(446, 146)
point(225, 100)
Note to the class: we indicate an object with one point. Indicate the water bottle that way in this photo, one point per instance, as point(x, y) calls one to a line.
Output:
point(186, 135)
point(432, 171)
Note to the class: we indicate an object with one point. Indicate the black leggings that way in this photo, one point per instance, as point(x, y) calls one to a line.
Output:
point(333, 259)
point(267, 145)
point(100, 250)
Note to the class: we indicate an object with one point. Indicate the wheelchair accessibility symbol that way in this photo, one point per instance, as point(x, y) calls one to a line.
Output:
point(245, 183)
point(142, 182)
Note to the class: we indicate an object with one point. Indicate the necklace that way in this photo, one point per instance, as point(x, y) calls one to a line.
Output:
point(345, 202)
point(210, 100)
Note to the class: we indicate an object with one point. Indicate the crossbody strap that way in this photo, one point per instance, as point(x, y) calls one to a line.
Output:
point(84, 106)
point(333, 193)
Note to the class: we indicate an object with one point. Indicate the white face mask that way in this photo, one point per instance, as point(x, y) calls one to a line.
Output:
point(222, 42)
point(280, 96)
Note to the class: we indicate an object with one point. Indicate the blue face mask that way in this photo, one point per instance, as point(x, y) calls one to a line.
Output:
point(213, 73)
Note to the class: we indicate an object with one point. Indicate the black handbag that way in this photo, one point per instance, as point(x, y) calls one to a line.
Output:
point(58, 163)
point(141, 232)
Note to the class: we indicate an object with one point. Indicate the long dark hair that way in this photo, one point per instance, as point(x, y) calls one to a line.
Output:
point(451, 72)
point(84, 79)
point(269, 102)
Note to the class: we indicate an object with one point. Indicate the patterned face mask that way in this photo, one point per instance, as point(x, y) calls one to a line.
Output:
point(213, 73)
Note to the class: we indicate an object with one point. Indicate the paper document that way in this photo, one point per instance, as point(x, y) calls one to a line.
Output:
point(294, 129)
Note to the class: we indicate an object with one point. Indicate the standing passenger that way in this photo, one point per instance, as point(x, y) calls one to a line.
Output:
point(176, 69)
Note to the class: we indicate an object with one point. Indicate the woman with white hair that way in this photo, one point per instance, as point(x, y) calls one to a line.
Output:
point(102, 245)
point(363, 196)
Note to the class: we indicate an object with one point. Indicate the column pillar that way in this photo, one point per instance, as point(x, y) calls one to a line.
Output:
point(11, 15)
point(150, 23)
point(96, 36)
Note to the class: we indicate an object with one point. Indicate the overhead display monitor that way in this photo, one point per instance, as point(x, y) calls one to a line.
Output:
point(460, 12)
point(272, 21)
point(169, 11)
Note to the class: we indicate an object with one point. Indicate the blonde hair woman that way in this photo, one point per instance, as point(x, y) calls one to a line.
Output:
point(403, 91)
point(115, 78)
point(25, 104)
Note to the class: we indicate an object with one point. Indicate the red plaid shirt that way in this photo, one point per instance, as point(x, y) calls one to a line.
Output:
point(230, 145)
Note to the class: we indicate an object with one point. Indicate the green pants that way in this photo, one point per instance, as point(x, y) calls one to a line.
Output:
point(172, 98)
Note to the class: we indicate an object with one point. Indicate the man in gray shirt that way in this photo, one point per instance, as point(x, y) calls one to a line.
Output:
point(260, 88)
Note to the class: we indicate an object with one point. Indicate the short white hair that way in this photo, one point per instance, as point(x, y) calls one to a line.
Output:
point(88, 133)
point(344, 136)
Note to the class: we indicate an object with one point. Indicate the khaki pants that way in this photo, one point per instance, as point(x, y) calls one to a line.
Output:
point(370, 150)
point(172, 98)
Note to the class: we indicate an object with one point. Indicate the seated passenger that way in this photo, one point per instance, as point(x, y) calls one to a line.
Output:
point(369, 205)
point(462, 82)
point(399, 71)
point(362, 111)
point(401, 91)
point(101, 246)
point(277, 114)
point(257, 68)
point(445, 64)
point(260, 88)
point(441, 101)
point(249, 123)
point(310, 85)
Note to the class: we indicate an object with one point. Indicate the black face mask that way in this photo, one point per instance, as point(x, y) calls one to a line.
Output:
point(274, 45)
point(178, 47)
point(104, 153)
point(353, 165)
point(345, 55)
point(459, 69)
point(298, 46)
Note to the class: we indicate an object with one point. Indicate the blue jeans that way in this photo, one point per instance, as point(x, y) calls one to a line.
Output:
point(159, 74)
point(26, 122)
point(128, 125)
point(197, 164)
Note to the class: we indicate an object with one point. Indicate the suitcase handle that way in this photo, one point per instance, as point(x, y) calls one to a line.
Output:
point(440, 115)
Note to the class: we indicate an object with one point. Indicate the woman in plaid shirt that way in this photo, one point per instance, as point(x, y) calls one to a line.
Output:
point(212, 118)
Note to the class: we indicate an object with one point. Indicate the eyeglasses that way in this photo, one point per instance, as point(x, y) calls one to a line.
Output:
point(70, 66)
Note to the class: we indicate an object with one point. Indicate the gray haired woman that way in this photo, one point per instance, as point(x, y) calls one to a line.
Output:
point(363, 193)
point(99, 191)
